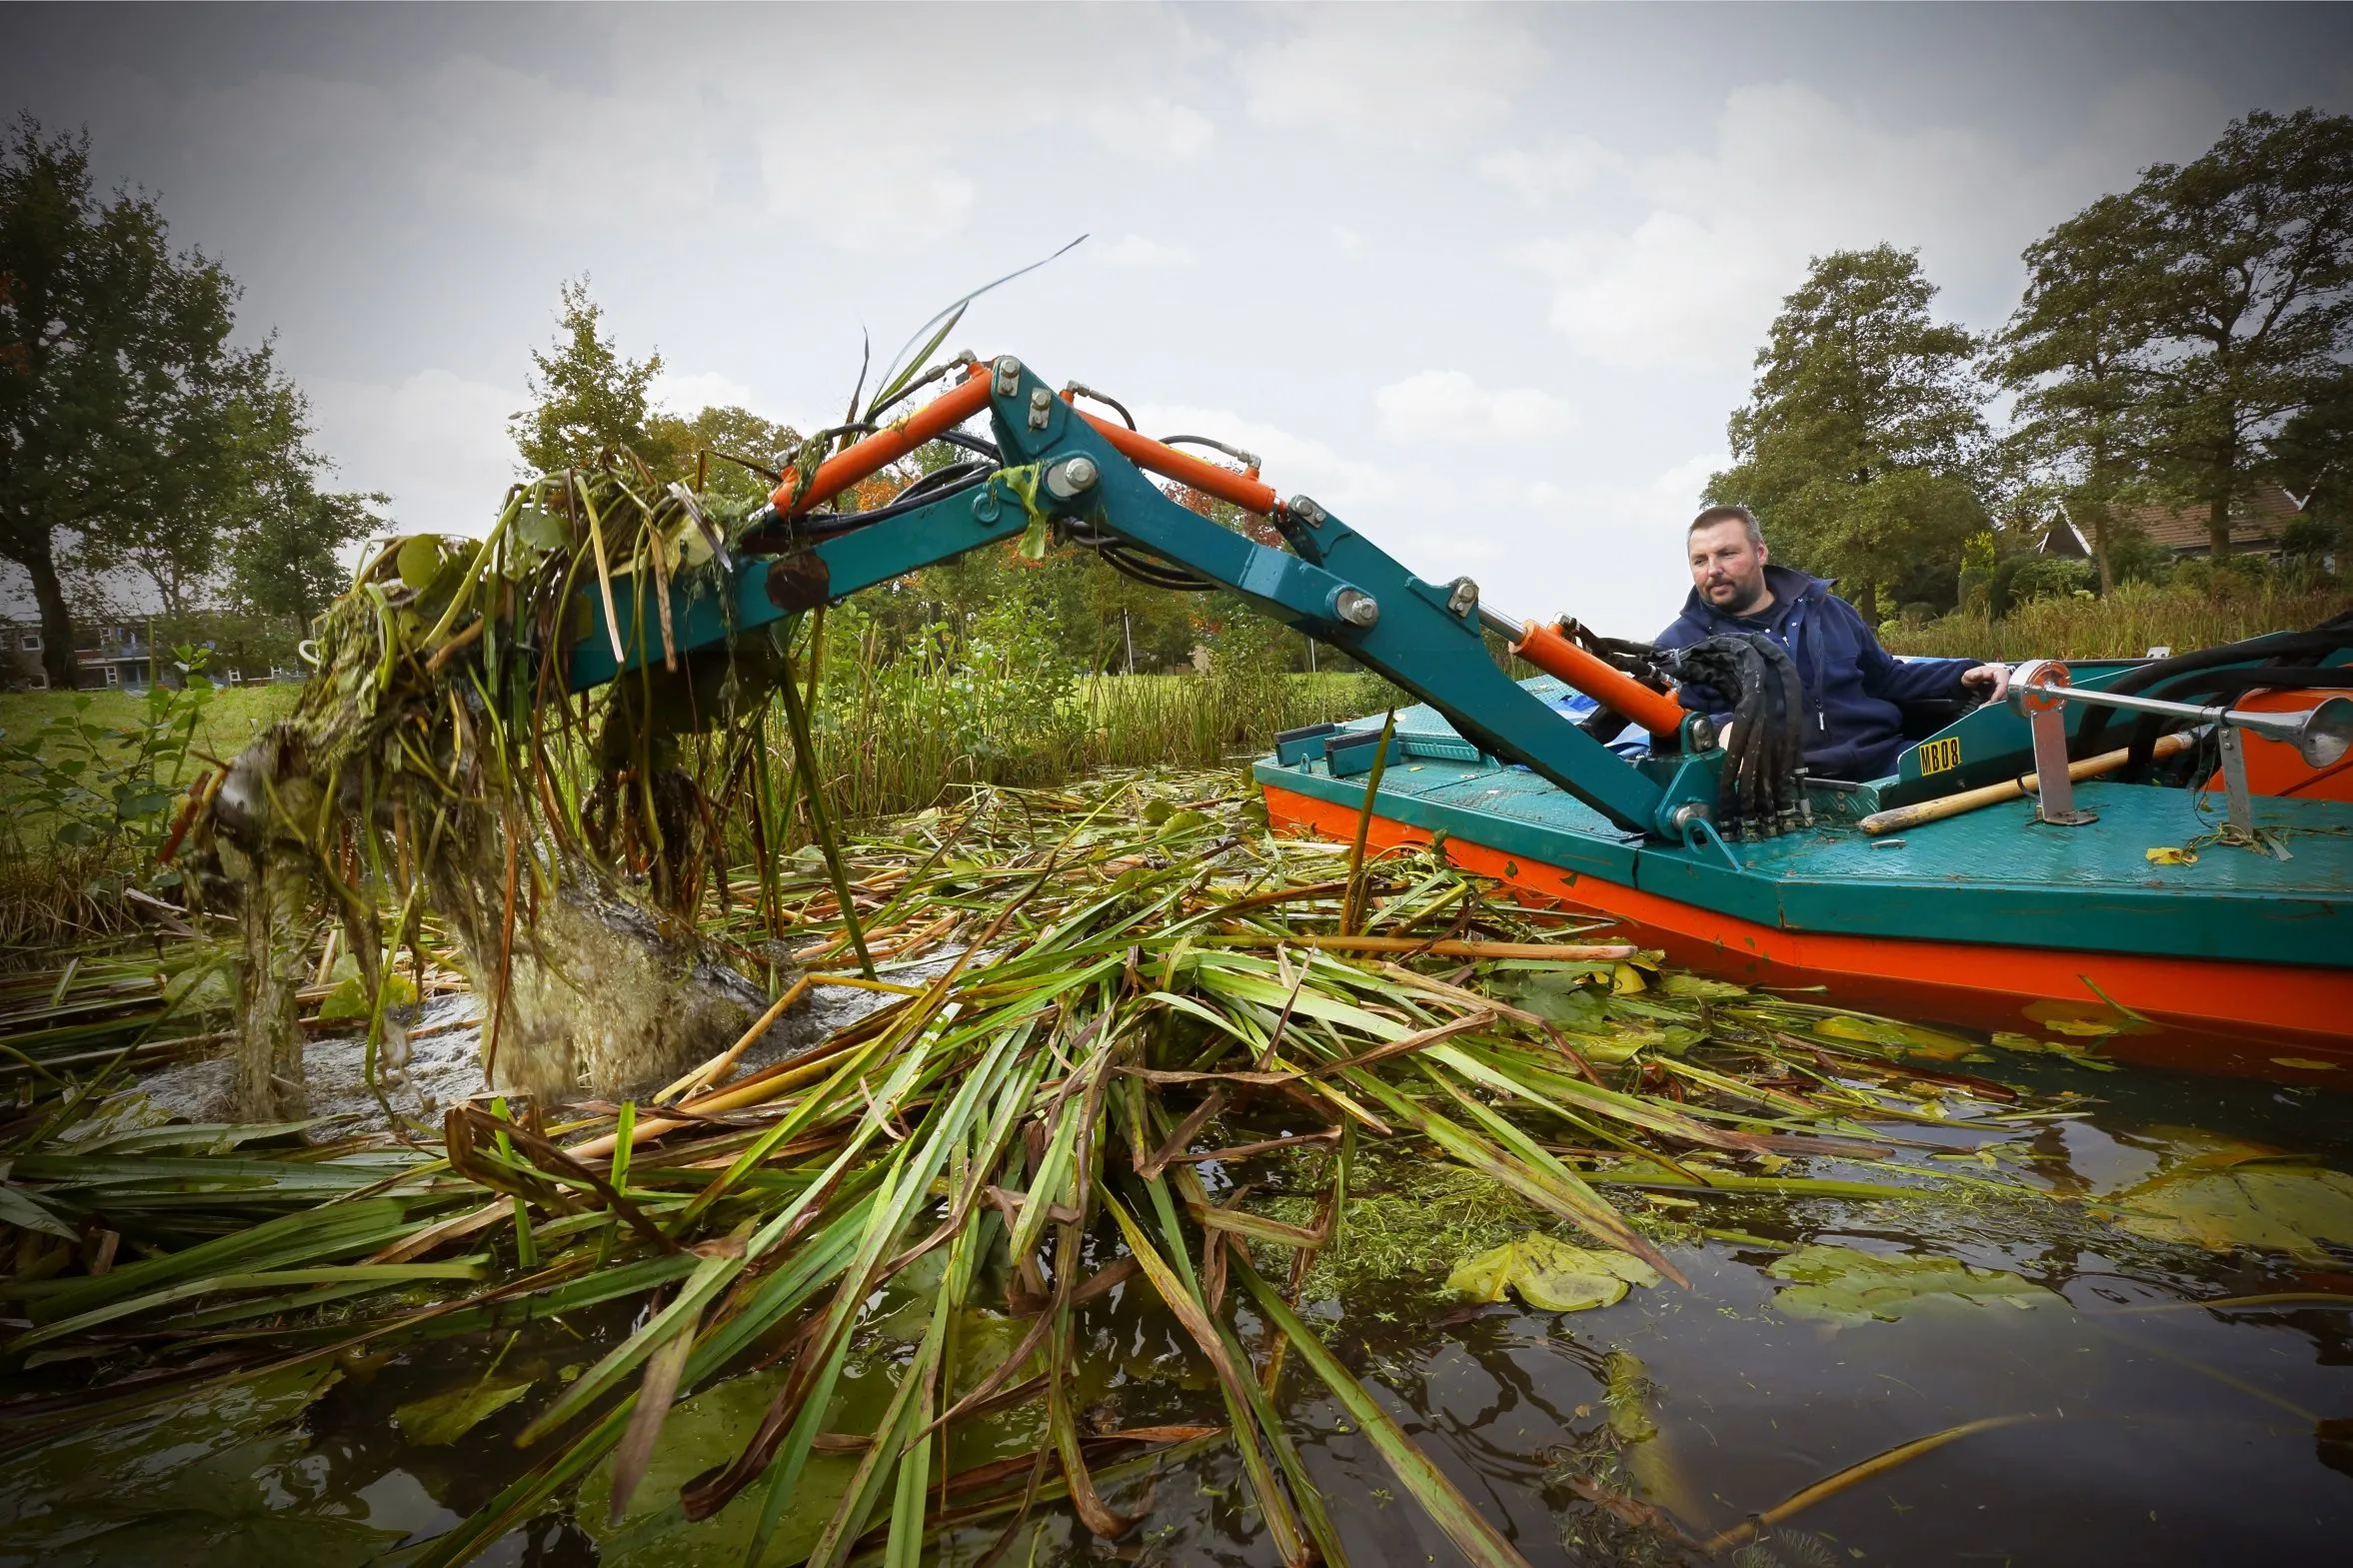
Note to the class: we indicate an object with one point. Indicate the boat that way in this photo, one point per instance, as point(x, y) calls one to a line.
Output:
point(2143, 933)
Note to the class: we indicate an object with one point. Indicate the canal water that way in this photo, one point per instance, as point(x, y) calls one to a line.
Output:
point(2073, 1402)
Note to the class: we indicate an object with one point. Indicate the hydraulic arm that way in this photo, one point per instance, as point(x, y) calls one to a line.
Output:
point(1060, 466)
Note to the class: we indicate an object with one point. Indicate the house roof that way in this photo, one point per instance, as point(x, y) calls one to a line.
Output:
point(2256, 522)
point(2065, 539)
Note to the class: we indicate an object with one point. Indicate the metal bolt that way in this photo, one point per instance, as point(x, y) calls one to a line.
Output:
point(1072, 476)
point(1357, 608)
point(1464, 599)
point(1041, 404)
point(1689, 812)
point(1307, 512)
point(1008, 375)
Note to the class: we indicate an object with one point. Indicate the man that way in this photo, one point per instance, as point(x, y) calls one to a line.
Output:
point(1853, 687)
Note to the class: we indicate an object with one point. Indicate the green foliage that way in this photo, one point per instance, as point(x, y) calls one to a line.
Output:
point(132, 433)
point(2129, 622)
point(2051, 576)
point(285, 564)
point(1861, 439)
point(1978, 568)
point(698, 450)
point(99, 785)
point(2186, 339)
point(2069, 354)
point(2248, 257)
point(2313, 455)
point(586, 398)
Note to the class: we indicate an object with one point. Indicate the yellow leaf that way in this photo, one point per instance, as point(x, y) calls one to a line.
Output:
point(1627, 978)
point(2306, 1063)
point(2166, 855)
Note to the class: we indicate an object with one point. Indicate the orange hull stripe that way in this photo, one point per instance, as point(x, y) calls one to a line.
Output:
point(1984, 984)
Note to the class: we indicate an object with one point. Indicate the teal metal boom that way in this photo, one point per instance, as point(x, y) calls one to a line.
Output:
point(1333, 584)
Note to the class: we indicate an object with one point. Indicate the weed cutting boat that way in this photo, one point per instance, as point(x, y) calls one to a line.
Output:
point(2206, 926)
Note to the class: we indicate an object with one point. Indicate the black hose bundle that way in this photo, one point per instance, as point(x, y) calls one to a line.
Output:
point(1764, 788)
point(2291, 660)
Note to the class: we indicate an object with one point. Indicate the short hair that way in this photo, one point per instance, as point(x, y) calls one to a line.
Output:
point(1710, 517)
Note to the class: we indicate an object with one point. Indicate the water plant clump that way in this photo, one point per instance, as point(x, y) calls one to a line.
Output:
point(1100, 1006)
point(435, 764)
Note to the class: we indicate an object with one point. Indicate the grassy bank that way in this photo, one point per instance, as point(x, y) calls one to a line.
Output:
point(230, 719)
point(891, 738)
point(887, 744)
point(2124, 625)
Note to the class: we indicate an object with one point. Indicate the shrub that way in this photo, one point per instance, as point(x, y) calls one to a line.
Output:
point(2051, 576)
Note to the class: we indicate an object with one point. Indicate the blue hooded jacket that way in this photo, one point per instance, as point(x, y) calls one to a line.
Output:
point(1853, 687)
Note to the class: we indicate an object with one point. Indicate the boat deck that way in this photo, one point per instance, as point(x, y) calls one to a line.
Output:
point(1993, 875)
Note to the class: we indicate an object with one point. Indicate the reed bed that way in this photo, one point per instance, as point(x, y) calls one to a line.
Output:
point(2123, 625)
point(1104, 1006)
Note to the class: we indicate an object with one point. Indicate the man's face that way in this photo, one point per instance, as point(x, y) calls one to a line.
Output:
point(1727, 570)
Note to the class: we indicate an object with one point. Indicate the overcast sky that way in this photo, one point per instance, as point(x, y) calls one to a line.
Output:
point(1484, 282)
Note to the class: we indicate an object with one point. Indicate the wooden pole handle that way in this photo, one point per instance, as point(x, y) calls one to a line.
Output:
point(1968, 800)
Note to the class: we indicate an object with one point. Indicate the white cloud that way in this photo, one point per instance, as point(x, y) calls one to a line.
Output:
point(1150, 127)
point(1712, 239)
point(1448, 405)
point(1540, 175)
point(690, 393)
point(1134, 250)
point(437, 443)
point(1347, 238)
point(1416, 74)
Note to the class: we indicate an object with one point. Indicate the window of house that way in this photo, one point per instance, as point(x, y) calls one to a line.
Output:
point(30, 642)
point(40, 681)
point(114, 675)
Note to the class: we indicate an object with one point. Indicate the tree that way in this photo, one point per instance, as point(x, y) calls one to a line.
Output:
point(285, 564)
point(701, 451)
point(2312, 456)
point(2248, 268)
point(120, 396)
point(2072, 352)
point(1860, 445)
point(586, 399)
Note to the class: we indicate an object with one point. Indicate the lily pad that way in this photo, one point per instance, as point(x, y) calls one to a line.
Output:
point(1560, 998)
point(706, 1430)
point(1701, 986)
point(1847, 1285)
point(2228, 1200)
point(445, 1418)
point(1551, 1275)
point(1910, 1038)
point(420, 561)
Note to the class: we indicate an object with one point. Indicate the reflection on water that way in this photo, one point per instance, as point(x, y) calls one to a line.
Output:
point(2111, 1421)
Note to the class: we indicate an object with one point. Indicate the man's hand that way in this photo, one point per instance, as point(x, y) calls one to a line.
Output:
point(1987, 681)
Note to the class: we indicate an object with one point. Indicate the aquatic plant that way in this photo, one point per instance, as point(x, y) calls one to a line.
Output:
point(1088, 995)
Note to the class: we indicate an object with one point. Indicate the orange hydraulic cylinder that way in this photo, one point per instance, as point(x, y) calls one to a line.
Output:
point(1548, 650)
point(844, 469)
point(1243, 490)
